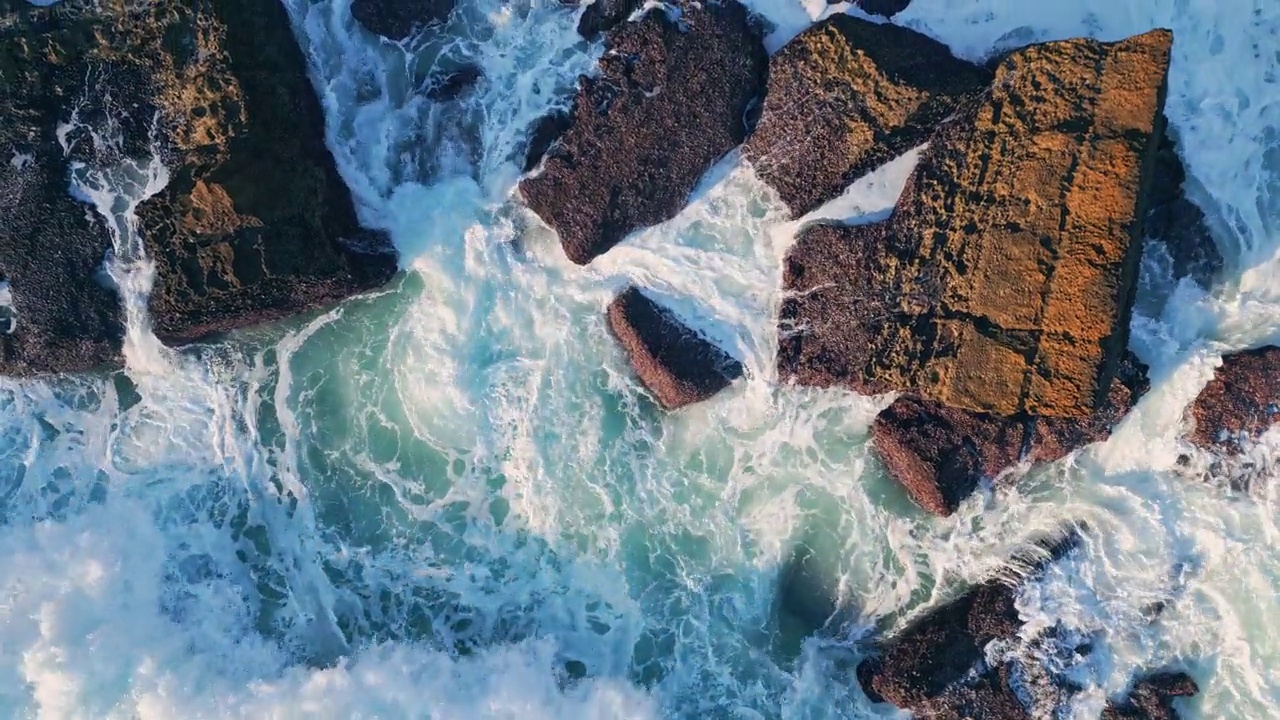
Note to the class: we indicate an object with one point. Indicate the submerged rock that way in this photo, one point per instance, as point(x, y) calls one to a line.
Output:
point(940, 454)
point(1240, 403)
point(543, 135)
point(669, 102)
point(673, 361)
point(846, 96)
point(1003, 282)
point(452, 85)
point(398, 19)
point(255, 222)
point(1152, 698)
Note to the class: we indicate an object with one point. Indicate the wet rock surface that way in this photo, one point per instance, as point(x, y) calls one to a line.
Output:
point(1178, 223)
point(1003, 282)
point(255, 222)
point(675, 363)
point(668, 103)
point(1240, 403)
point(846, 96)
point(940, 454)
point(1152, 698)
point(398, 19)
point(887, 8)
point(602, 16)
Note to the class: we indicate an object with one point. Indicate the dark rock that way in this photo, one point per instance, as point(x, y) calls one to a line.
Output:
point(452, 85)
point(941, 454)
point(1004, 280)
point(887, 8)
point(398, 19)
point(1240, 403)
point(846, 96)
point(601, 16)
point(674, 362)
point(937, 666)
point(669, 102)
point(254, 222)
point(1152, 698)
point(543, 135)
point(1179, 223)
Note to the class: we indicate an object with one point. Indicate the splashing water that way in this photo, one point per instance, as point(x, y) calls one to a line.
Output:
point(450, 498)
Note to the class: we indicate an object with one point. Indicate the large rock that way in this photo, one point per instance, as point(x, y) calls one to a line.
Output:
point(937, 667)
point(674, 362)
point(887, 8)
point(940, 454)
point(1152, 698)
point(1178, 223)
point(846, 96)
point(1004, 280)
point(398, 19)
point(255, 222)
point(1240, 403)
point(668, 103)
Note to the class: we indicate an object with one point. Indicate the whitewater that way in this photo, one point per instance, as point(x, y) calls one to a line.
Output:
point(451, 499)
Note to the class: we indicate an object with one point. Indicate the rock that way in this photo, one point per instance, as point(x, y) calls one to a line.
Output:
point(543, 135)
point(937, 666)
point(601, 16)
point(669, 103)
point(398, 19)
point(673, 361)
point(846, 96)
point(1240, 403)
point(1003, 282)
point(255, 222)
point(805, 593)
point(1178, 223)
point(1152, 698)
point(452, 85)
point(887, 8)
point(941, 454)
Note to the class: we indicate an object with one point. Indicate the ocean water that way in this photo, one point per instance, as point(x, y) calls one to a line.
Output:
point(450, 498)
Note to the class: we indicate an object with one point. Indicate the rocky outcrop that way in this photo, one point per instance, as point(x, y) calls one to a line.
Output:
point(668, 103)
point(1003, 282)
point(1152, 698)
point(544, 133)
point(450, 86)
point(940, 454)
point(255, 222)
point(846, 96)
point(398, 19)
point(937, 666)
point(1240, 403)
point(676, 364)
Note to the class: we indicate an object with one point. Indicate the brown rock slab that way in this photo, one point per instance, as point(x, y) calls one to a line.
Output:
point(601, 16)
point(398, 19)
point(668, 103)
point(1003, 282)
point(1152, 698)
point(675, 363)
point(1240, 403)
point(846, 96)
point(940, 454)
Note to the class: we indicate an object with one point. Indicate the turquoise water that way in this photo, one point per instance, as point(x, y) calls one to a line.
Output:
point(451, 498)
